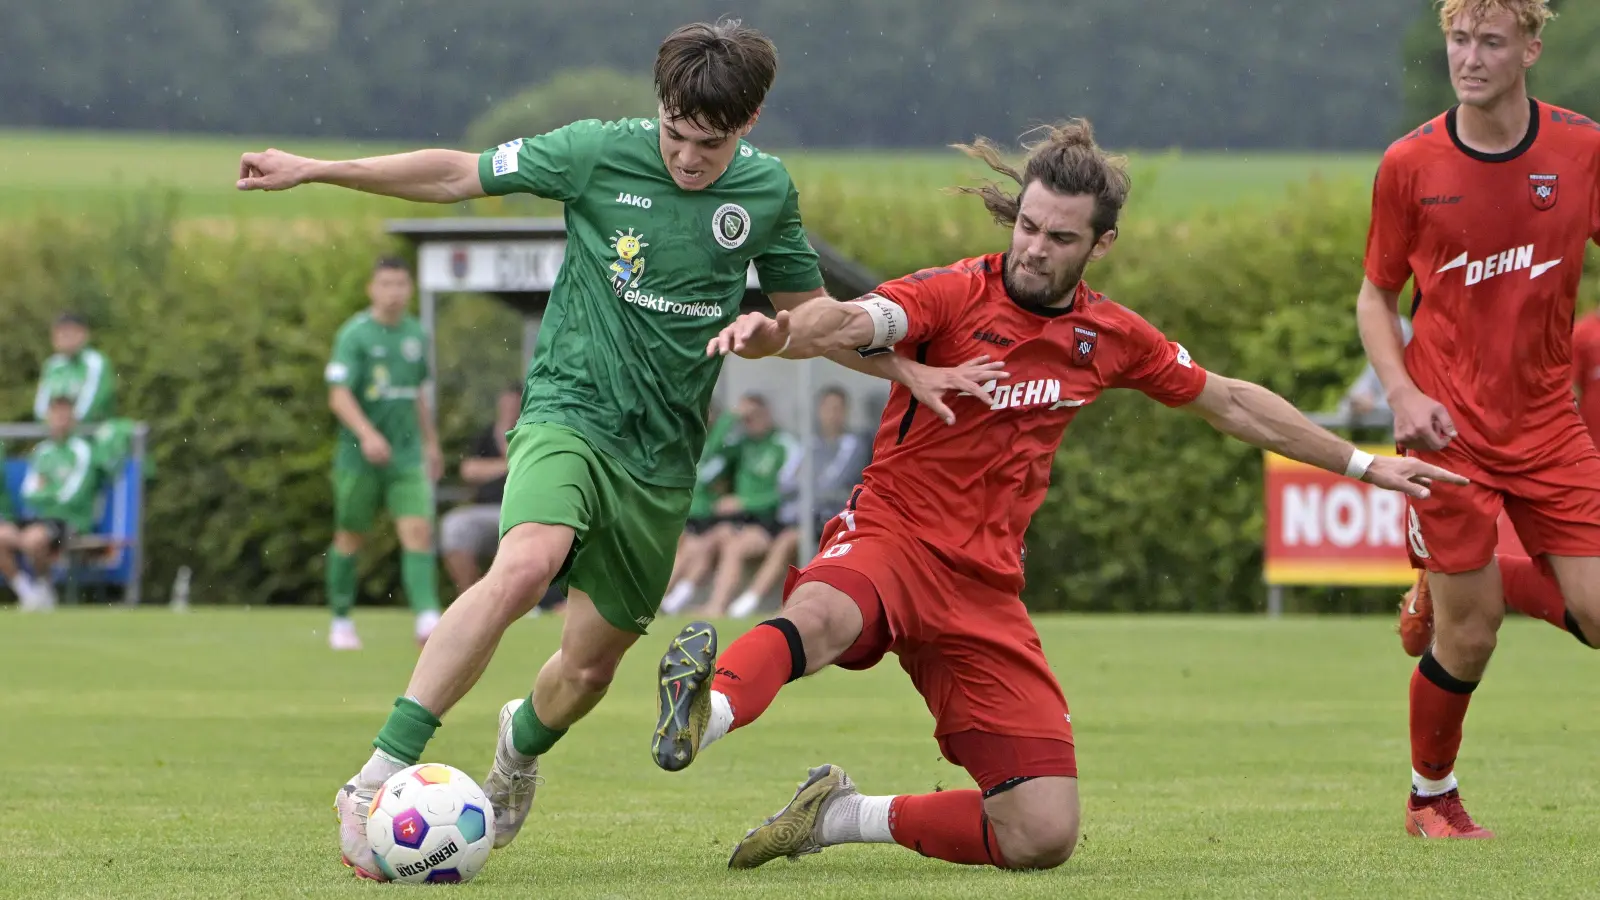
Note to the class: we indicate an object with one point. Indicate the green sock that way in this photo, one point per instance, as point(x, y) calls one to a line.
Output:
point(406, 734)
point(419, 573)
point(341, 583)
point(530, 736)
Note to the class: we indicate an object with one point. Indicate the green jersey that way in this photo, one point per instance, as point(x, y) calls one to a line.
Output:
point(652, 272)
point(85, 377)
point(384, 366)
point(762, 467)
point(714, 462)
point(63, 482)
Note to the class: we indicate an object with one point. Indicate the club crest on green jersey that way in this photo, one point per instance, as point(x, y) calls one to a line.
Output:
point(629, 265)
point(730, 225)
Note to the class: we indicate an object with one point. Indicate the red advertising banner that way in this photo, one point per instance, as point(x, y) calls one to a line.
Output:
point(1325, 529)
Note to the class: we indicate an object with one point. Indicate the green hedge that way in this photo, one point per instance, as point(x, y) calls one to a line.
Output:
point(219, 333)
point(219, 337)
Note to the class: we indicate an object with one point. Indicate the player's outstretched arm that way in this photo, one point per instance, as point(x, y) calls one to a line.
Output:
point(1257, 416)
point(426, 176)
point(822, 326)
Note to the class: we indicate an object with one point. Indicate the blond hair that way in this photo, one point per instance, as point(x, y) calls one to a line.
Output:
point(1530, 14)
point(1068, 161)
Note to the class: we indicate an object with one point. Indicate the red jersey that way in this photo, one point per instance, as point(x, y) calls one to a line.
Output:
point(1496, 244)
point(1586, 371)
point(969, 490)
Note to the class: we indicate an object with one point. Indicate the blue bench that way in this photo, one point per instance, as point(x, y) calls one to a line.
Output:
point(110, 555)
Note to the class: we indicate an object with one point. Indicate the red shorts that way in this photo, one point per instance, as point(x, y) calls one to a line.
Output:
point(1555, 510)
point(970, 649)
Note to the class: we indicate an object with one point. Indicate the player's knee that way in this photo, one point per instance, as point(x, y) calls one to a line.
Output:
point(415, 533)
point(594, 677)
point(348, 542)
point(1041, 842)
point(35, 541)
point(827, 620)
point(1473, 639)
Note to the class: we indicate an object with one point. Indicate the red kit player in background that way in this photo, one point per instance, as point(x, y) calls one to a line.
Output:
point(1489, 208)
point(1586, 371)
point(926, 560)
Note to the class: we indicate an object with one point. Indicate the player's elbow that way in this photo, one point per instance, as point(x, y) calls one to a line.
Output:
point(458, 178)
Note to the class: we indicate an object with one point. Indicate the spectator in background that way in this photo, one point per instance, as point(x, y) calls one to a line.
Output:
point(1366, 395)
point(60, 492)
point(10, 542)
point(839, 455)
point(469, 534)
point(703, 533)
point(75, 371)
point(763, 460)
point(837, 459)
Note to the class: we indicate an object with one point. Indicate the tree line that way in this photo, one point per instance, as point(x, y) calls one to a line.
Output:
point(884, 73)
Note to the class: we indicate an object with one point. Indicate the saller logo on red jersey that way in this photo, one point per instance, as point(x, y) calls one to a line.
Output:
point(1514, 260)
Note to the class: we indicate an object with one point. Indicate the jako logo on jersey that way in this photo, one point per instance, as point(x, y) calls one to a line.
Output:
point(635, 200)
point(1514, 260)
point(629, 267)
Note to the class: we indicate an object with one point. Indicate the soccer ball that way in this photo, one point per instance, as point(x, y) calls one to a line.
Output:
point(429, 824)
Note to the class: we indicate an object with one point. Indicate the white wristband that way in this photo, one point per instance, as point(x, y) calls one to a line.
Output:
point(1360, 461)
point(786, 340)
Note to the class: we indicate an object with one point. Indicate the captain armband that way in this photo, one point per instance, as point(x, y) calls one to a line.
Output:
point(889, 323)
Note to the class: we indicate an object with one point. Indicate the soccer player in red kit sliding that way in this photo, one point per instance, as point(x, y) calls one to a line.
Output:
point(926, 560)
point(1489, 208)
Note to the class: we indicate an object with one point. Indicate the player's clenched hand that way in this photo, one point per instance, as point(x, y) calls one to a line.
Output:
point(1411, 477)
point(375, 449)
point(752, 336)
point(975, 377)
point(1421, 422)
point(273, 170)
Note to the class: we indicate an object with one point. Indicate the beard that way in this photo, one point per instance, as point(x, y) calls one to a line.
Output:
point(1032, 295)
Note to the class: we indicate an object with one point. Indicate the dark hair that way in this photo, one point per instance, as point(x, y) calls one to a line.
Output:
point(1068, 162)
point(716, 76)
point(60, 399)
point(72, 318)
point(833, 390)
point(514, 387)
point(391, 262)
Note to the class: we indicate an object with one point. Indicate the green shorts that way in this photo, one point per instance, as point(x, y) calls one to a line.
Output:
point(358, 491)
point(626, 531)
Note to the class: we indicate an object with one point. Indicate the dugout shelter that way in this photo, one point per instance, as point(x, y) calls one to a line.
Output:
point(515, 261)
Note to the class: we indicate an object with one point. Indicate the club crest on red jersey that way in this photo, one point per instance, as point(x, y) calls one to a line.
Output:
point(1543, 190)
point(1084, 342)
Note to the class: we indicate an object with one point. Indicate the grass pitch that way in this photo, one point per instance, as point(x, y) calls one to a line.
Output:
point(156, 755)
point(73, 173)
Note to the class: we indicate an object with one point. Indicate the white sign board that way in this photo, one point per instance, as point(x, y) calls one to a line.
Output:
point(492, 266)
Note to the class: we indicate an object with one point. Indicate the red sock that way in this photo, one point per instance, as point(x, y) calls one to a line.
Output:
point(948, 825)
point(1532, 591)
point(752, 671)
point(1438, 707)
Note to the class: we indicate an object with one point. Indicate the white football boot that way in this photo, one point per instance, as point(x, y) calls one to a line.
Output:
point(512, 781)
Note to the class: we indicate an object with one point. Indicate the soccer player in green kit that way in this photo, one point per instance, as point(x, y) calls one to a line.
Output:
point(387, 453)
point(664, 216)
